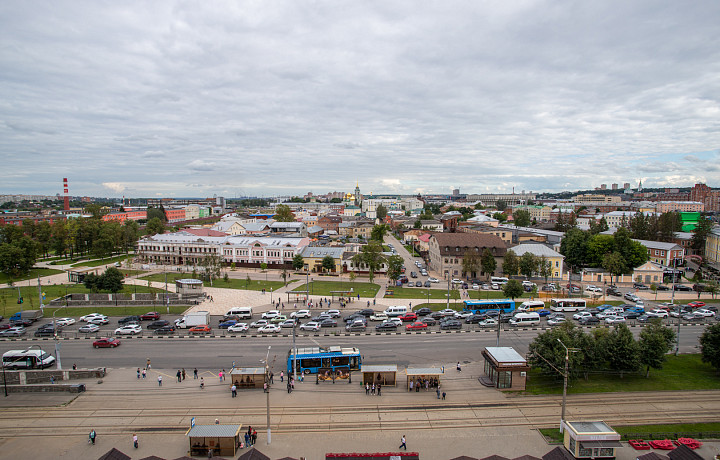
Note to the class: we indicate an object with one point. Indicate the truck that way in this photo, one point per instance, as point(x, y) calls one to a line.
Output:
point(30, 315)
point(196, 318)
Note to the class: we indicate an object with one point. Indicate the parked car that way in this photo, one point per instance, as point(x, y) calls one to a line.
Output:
point(269, 329)
point(129, 319)
point(417, 325)
point(109, 342)
point(89, 328)
point(386, 326)
point(310, 326)
point(300, 314)
point(202, 329)
point(239, 327)
point(150, 316)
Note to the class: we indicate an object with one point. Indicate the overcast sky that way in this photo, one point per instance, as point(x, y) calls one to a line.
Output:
point(157, 98)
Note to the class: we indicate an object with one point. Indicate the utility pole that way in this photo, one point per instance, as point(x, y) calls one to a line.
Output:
point(565, 380)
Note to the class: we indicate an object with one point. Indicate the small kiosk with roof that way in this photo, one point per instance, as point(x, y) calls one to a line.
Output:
point(505, 369)
point(418, 375)
point(221, 439)
point(382, 374)
point(590, 439)
point(248, 377)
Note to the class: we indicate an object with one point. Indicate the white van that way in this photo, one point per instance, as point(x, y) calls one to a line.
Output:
point(498, 279)
point(531, 305)
point(397, 310)
point(240, 312)
point(525, 319)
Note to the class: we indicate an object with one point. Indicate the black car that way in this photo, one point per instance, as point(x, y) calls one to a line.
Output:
point(588, 320)
point(165, 330)
point(423, 311)
point(451, 324)
point(127, 319)
point(429, 321)
point(681, 287)
point(158, 324)
point(386, 327)
point(328, 323)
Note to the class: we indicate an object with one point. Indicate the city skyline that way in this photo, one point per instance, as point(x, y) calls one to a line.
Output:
point(283, 98)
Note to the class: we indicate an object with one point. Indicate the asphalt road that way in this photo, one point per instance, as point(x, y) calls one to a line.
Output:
point(218, 353)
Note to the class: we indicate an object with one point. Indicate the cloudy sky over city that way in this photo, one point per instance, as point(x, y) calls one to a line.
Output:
point(161, 98)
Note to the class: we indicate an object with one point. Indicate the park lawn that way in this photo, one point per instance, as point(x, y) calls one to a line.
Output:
point(32, 274)
point(683, 372)
point(325, 288)
point(110, 310)
point(421, 293)
point(98, 262)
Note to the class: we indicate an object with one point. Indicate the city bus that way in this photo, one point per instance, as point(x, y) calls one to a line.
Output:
point(311, 359)
point(27, 359)
point(567, 304)
point(483, 306)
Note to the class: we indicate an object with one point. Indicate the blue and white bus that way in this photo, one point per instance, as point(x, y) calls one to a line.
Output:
point(311, 359)
point(483, 306)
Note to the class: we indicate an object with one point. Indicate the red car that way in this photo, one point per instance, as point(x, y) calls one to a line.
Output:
point(696, 304)
point(416, 325)
point(200, 330)
point(109, 342)
point(150, 316)
point(408, 317)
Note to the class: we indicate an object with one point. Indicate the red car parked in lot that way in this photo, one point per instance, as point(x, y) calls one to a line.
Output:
point(416, 325)
point(109, 342)
point(200, 329)
point(409, 316)
point(150, 316)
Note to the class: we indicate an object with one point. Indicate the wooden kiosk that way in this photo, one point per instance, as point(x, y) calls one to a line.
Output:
point(221, 439)
point(248, 377)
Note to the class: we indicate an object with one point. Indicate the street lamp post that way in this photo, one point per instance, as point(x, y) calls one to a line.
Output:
point(565, 380)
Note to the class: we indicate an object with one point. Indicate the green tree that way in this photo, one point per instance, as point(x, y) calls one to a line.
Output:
point(655, 341)
point(488, 263)
point(511, 264)
point(378, 232)
point(370, 257)
point(500, 205)
point(528, 264)
point(623, 352)
point(283, 214)
point(710, 346)
point(155, 226)
point(574, 248)
point(470, 263)
point(513, 289)
point(521, 218)
point(395, 264)
point(615, 264)
point(328, 263)
point(298, 262)
point(381, 212)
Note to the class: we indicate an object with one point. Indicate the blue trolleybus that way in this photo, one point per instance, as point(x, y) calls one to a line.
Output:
point(311, 359)
point(479, 307)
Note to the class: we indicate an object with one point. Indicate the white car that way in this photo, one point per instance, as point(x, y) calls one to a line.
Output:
point(704, 312)
point(270, 314)
point(300, 314)
point(238, 327)
point(128, 330)
point(259, 323)
point(657, 313)
point(269, 329)
point(433, 280)
point(614, 319)
point(334, 313)
point(581, 314)
point(99, 320)
point(89, 328)
point(310, 326)
point(65, 321)
point(90, 316)
point(379, 316)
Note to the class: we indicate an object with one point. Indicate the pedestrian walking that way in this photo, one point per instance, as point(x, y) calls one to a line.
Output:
point(144, 373)
point(138, 373)
point(281, 376)
point(147, 364)
point(92, 437)
point(402, 443)
point(195, 373)
point(135, 440)
point(183, 373)
point(367, 388)
point(233, 390)
point(179, 375)
point(159, 380)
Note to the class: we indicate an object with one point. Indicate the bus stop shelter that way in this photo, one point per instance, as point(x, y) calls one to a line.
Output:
point(384, 374)
point(221, 439)
point(248, 377)
point(418, 375)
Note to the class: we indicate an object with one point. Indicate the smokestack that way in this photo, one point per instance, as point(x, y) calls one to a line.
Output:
point(66, 198)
